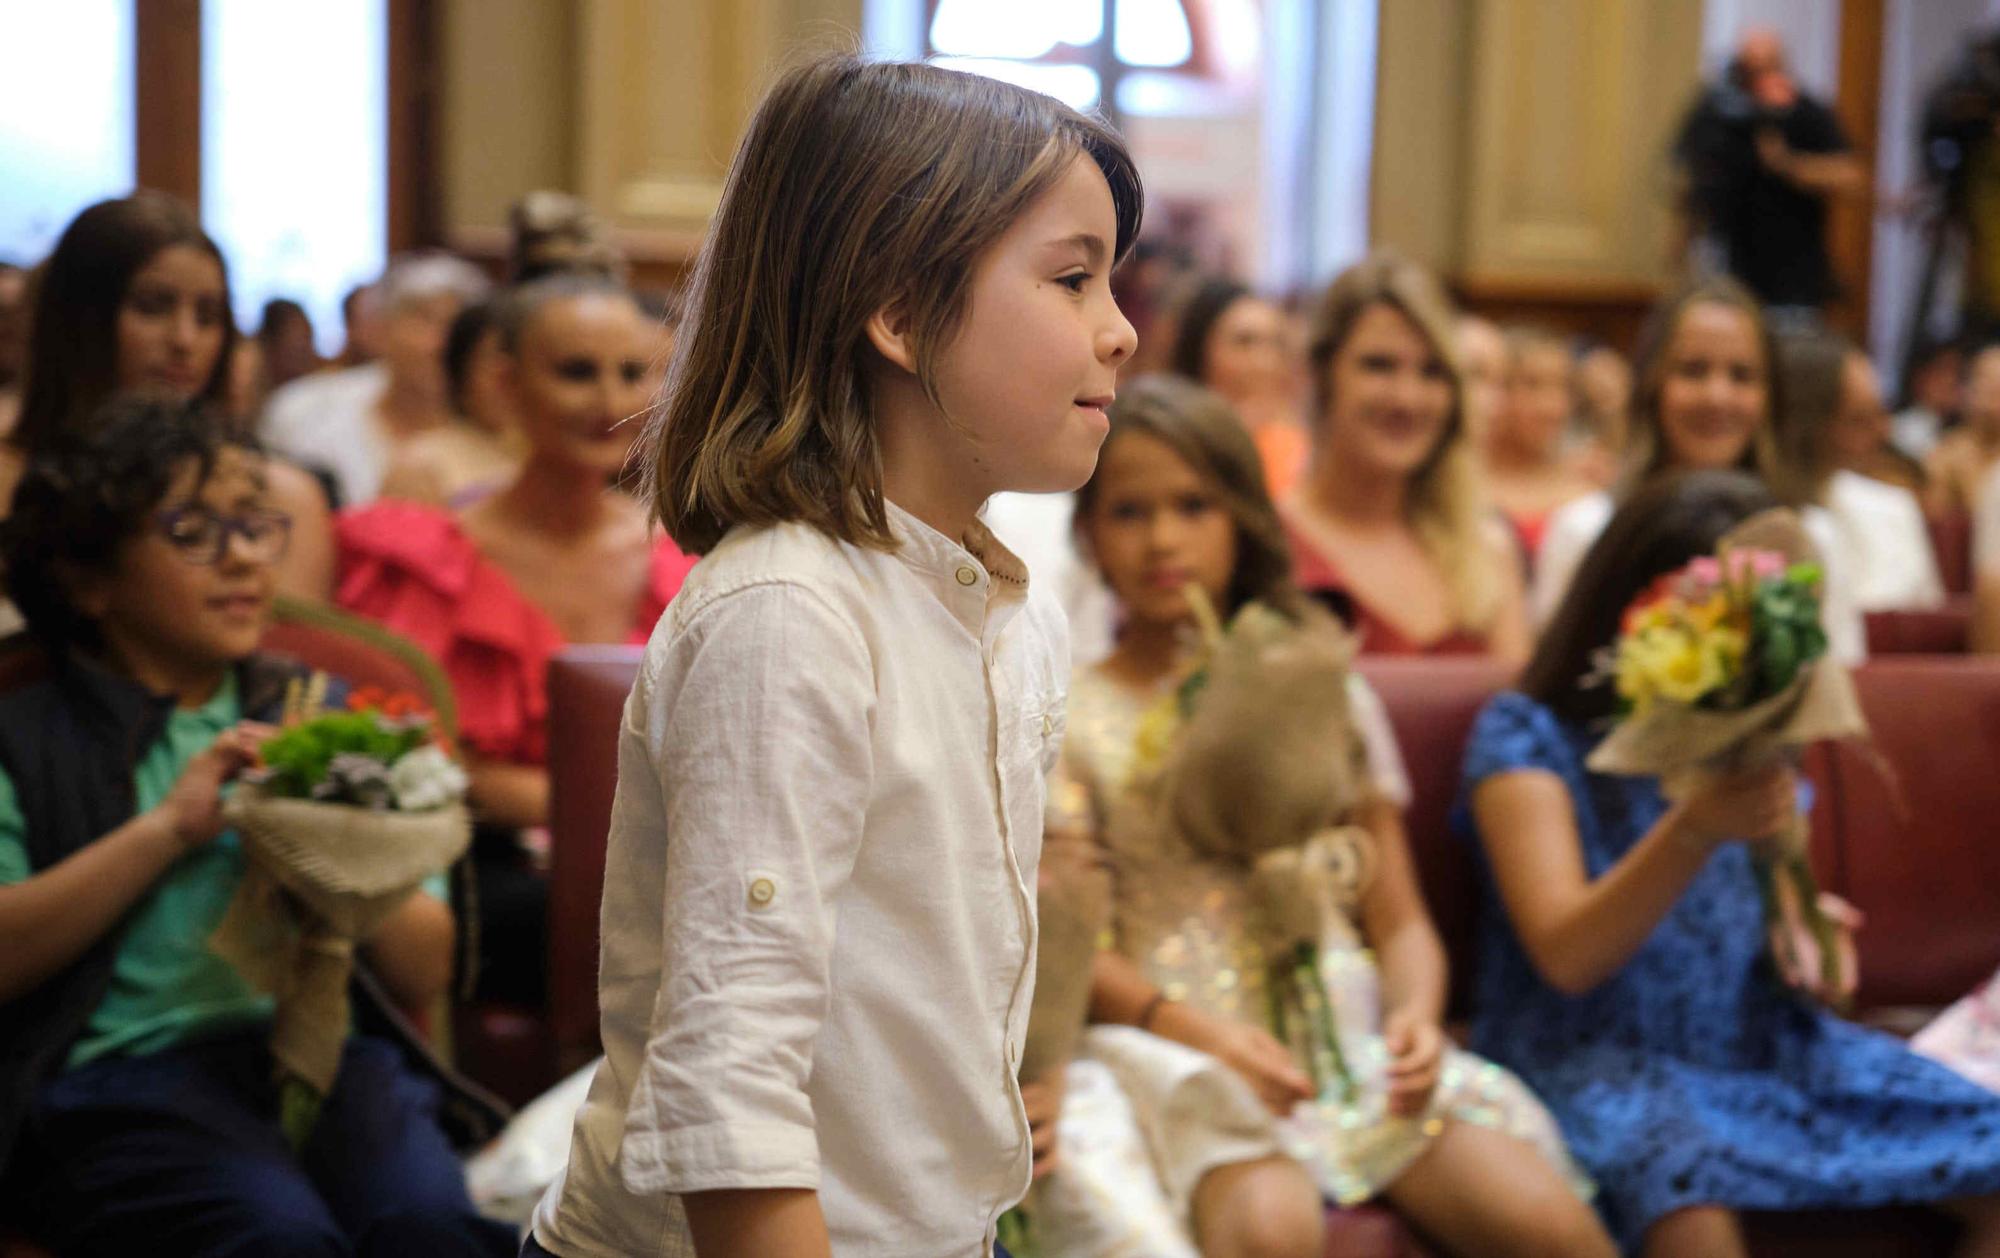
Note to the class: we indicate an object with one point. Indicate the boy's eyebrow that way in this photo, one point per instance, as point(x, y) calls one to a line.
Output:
point(1091, 243)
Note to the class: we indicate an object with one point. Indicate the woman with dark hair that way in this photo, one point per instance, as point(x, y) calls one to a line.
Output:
point(1623, 970)
point(1233, 341)
point(1708, 397)
point(135, 298)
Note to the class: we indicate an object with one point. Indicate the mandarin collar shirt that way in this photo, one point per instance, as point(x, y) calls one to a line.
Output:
point(819, 918)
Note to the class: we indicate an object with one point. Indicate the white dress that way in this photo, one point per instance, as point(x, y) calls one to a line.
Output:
point(1144, 1118)
point(1574, 529)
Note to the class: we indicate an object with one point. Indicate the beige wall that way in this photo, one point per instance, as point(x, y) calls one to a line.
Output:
point(508, 113)
point(636, 105)
point(1521, 143)
point(1416, 188)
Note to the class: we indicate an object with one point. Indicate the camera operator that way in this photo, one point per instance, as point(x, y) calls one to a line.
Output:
point(1760, 159)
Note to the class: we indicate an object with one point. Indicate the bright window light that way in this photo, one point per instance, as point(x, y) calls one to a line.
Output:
point(294, 150)
point(1020, 28)
point(1073, 85)
point(1152, 33)
point(66, 117)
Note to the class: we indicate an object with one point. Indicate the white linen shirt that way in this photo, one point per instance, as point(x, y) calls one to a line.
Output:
point(819, 922)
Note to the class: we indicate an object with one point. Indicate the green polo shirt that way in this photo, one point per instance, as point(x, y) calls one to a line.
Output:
point(167, 988)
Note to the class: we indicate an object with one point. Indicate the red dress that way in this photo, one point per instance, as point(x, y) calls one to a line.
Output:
point(412, 568)
point(1316, 572)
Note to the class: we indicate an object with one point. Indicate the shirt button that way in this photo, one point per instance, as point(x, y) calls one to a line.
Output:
point(763, 891)
point(967, 574)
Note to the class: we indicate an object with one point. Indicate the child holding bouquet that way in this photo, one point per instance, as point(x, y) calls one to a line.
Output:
point(1188, 1127)
point(138, 1110)
point(1622, 971)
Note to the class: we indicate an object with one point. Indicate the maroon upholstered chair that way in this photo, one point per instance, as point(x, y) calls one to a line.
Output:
point(1945, 630)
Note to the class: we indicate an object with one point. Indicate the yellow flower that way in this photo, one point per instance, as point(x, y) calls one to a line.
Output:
point(1688, 668)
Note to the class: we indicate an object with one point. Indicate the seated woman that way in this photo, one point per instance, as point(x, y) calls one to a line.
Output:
point(1833, 416)
point(1528, 470)
point(1623, 968)
point(1391, 518)
point(556, 556)
point(480, 451)
point(1187, 1127)
point(1231, 340)
point(1706, 398)
point(135, 298)
point(136, 1090)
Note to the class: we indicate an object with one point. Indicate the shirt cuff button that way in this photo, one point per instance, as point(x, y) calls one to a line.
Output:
point(762, 892)
point(967, 574)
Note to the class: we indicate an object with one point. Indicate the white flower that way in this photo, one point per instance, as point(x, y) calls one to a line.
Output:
point(426, 778)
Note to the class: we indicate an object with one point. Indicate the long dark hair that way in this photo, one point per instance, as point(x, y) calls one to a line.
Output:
point(72, 364)
point(1196, 320)
point(1662, 524)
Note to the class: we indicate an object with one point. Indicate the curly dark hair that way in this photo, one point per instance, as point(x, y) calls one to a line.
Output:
point(89, 491)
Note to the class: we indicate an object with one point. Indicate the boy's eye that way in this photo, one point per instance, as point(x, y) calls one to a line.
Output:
point(1075, 283)
point(1126, 512)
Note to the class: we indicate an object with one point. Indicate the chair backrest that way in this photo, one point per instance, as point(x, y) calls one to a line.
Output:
point(1432, 702)
point(1917, 853)
point(1943, 630)
point(1929, 881)
point(587, 690)
point(1951, 539)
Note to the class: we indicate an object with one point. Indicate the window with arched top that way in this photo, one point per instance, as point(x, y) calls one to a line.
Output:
point(1087, 53)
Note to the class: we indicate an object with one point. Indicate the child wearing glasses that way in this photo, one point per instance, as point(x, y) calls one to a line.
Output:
point(137, 1109)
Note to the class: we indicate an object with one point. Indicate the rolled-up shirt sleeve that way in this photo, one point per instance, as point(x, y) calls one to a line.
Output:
point(754, 734)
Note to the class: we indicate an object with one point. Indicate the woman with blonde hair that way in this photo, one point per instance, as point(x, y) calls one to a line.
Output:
point(1391, 518)
point(1707, 396)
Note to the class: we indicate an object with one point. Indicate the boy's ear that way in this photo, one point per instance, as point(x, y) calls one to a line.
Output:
point(889, 331)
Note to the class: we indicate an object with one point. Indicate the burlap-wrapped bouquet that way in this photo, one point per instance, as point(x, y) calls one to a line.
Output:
point(1722, 667)
point(351, 813)
point(1236, 863)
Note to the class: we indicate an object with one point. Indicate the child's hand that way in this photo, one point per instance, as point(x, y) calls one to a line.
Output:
point(1264, 1063)
point(1416, 1056)
point(192, 809)
point(1752, 806)
point(1043, 1100)
point(1797, 952)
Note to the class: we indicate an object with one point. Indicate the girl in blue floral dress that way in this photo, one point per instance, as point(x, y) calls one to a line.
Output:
point(1623, 972)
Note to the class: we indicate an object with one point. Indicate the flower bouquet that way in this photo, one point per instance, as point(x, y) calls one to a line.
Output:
point(349, 813)
point(1722, 666)
point(1243, 777)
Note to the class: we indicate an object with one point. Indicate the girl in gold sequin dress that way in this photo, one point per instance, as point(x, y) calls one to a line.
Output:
point(1186, 1127)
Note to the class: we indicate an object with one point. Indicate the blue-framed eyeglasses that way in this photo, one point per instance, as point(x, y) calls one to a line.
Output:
point(202, 536)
